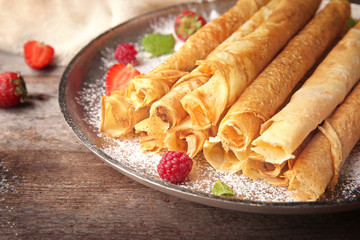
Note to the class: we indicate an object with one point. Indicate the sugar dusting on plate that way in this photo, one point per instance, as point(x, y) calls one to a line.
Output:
point(202, 177)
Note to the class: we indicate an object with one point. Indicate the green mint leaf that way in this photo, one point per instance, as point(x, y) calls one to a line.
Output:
point(221, 189)
point(351, 22)
point(158, 44)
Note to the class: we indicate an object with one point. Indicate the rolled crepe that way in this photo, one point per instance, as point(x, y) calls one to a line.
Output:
point(255, 166)
point(250, 163)
point(313, 102)
point(151, 142)
point(164, 115)
point(117, 115)
point(318, 166)
point(271, 173)
point(184, 138)
point(239, 63)
point(168, 109)
point(259, 102)
point(146, 88)
point(221, 160)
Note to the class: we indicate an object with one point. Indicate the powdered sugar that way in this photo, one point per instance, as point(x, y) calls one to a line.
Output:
point(6, 183)
point(202, 178)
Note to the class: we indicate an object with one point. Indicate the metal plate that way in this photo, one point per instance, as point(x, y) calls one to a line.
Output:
point(80, 90)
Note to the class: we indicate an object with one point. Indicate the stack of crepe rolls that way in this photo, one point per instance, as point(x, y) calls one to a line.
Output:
point(254, 50)
point(230, 150)
point(146, 88)
point(313, 102)
point(291, 128)
point(240, 63)
point(149, 87)
point(318, 165)
point(167, 115)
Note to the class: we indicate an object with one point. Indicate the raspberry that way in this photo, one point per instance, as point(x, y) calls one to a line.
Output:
point(125, 53)
point(174, 166)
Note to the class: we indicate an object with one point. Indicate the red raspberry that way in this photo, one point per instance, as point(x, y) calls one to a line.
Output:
point(125, 53)
point(174, 166)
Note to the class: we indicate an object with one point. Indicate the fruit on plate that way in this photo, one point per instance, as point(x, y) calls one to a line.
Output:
point(37, 54)
point(174, 166)
point(118, 77)
point(187, 23)
point(12, 89)
point(125, 53)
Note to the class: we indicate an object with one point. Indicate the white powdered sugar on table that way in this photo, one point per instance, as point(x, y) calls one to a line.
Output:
point(202, 177)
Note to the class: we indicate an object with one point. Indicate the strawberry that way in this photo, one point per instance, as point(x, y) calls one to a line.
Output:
point(12, 89)
point(187, 23)
point(118, 77)
point(37, 54)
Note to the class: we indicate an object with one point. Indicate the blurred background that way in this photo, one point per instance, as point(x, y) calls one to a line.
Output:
point(67, 25)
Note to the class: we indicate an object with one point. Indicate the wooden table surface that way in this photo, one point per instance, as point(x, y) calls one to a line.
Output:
point(53, 187)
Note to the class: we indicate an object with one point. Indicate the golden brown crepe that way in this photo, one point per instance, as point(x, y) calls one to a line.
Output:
point(149, 87)
point(239, 63)
point(250, 163)
point(255, 166)
point(117, 115)
point(146, 88)
point(168, 109)
point(257, 104)
point(151, 142)
point(270, 89)
point(318, 166)
point(184, 137)
point(221, 160)
point(313, 102)
point(271, 173)
point(167, 113)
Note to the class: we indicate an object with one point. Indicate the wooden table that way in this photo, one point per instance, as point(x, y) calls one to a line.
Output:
point(53, 187)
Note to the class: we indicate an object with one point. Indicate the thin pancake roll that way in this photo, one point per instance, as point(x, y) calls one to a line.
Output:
point(146, 88)
point(318, 166)
point(313, 102)
point(255, 166)
point(118, 116)
point(238, 64)
point(184, 137)
point(221, 160)
point(259, 102)
point(167, 112)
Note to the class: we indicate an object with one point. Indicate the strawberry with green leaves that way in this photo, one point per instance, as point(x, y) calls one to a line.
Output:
point(187, 23)
point(37, 54)
point(12, 89)
point(118, 77)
